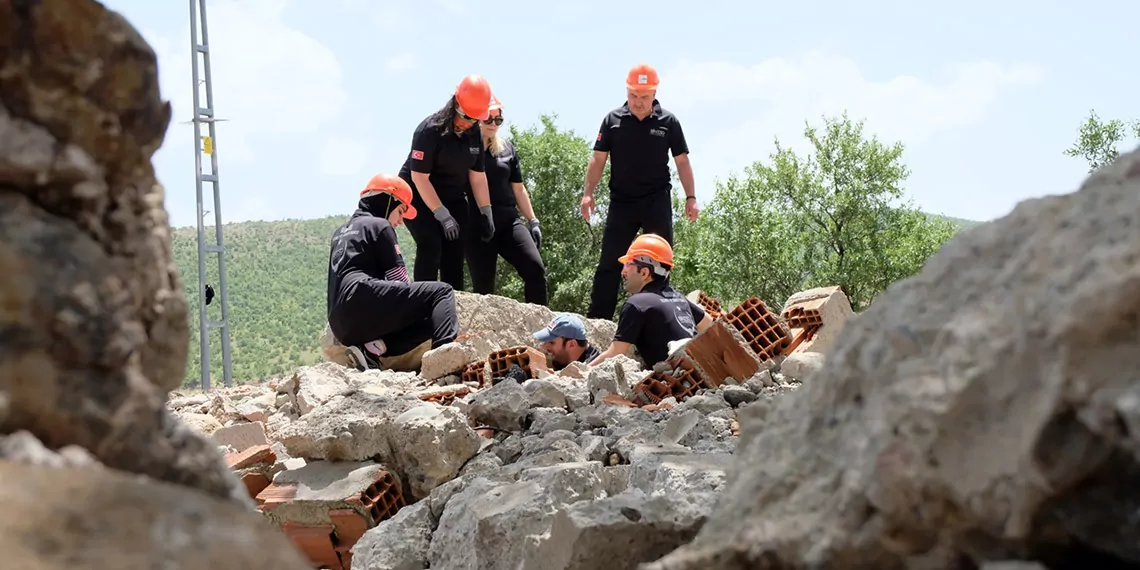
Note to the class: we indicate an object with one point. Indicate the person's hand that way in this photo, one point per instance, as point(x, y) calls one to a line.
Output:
point(450, 226)
point(535, 233)
point(587, 206)
point(691, 209)
point(486, 224)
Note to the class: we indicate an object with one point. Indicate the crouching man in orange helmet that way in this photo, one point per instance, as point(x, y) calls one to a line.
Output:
point(445, 172)
point(373, 308)
point(654, 314)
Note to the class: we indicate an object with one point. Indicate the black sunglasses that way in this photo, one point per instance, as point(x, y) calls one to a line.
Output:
point(493, 120)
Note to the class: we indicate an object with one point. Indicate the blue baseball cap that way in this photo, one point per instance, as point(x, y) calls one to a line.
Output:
point(564, 325)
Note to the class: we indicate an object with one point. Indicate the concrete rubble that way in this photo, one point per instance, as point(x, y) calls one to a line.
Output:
point(981, 414)
point(486, 458)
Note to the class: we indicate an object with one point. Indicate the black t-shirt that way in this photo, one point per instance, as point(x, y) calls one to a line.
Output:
point(639, 150)
point(447, 159)
point(365, 247)
point(502, 172)
point(656, 316)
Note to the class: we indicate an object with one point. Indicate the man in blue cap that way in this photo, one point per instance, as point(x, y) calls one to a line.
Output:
point(564, 339)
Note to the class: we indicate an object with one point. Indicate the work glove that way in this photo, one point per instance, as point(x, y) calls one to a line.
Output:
point(486, 224)
point(450, 226)
point(535, 233)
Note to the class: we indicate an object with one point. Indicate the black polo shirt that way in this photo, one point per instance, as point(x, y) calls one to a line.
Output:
point(639, 150)
point(656, 316)
point(503, 172)
point(447, 159)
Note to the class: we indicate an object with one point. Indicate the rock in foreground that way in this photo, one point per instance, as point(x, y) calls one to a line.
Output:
point(987, 409)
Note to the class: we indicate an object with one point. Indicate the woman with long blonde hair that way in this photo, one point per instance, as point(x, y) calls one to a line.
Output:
point(516, 241)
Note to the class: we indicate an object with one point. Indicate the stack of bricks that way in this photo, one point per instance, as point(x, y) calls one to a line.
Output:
point(763, 332)
point(324, 508)
point(530, 359)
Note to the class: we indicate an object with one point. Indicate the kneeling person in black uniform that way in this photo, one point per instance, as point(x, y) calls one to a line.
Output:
point(655, 314)
point(373, 307)
point(564, 339)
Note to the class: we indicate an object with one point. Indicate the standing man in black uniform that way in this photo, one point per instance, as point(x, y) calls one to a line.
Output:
point(445, 170)
point(515, 241)
point(655, 314)
point(374, 310)
point(640, 135)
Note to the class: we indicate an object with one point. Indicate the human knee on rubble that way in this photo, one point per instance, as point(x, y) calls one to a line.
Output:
point(374, 310)
point(564, 340)
point(655, 314)
point(515, 241)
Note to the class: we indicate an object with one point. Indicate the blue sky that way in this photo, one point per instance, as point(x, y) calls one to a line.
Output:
point(321, 95)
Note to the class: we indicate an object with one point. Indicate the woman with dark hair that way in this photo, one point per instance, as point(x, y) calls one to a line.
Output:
point(382, 318)
point(517, 242)
point(445, 171)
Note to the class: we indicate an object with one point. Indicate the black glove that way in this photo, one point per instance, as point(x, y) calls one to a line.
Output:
point(535, 233)
point(450, 226)
point(486, 224)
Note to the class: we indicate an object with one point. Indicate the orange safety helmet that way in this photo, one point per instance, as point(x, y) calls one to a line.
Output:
point(474, 97)
point(652, 246)
point(642, 78)
point(394, 185)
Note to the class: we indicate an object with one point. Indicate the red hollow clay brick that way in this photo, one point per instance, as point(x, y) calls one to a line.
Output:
point(806, 314)
point(530, 359)
point(382, 499)
point(765, 335)
point(255, 455)
point(315, 543)
point(444, 395)
point(717, 354)
point(475, 373)
point(255, 483)
point(710, 305)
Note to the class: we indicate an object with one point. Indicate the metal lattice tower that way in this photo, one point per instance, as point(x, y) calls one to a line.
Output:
point(200, 51)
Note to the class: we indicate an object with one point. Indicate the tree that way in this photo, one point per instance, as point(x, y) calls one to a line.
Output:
point(554, 168)
point(1096, 141)
point(835, 217)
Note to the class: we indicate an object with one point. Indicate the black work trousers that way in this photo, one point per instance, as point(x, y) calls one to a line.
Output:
point(436, 258)
point(513, 242)
point(403, 315)
point(652, 215)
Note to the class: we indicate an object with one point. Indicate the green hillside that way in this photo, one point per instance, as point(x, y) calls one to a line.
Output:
point(276, 282)
point(276, 279)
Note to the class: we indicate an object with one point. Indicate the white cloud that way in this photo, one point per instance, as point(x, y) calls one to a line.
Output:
point(270, 81)
point(736, 110)
point(402, 62)
point(344, 156)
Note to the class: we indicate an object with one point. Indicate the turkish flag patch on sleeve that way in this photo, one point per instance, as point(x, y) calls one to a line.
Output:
point(418, 154)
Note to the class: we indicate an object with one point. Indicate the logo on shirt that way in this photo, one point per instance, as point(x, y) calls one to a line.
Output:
point(474, 149)
point(659, 132)
point(398, 250)
point(417, 155)
point(599, 135)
